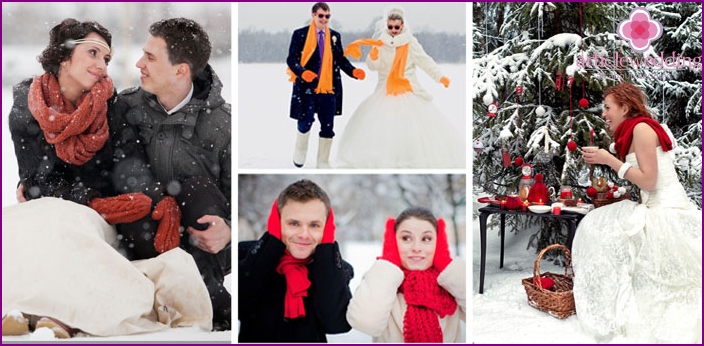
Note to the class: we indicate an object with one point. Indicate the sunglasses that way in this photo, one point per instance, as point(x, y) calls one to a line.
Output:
point(326, 16)
point(391, 27)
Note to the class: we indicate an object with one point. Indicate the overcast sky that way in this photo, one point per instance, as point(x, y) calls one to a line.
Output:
point(351, 16)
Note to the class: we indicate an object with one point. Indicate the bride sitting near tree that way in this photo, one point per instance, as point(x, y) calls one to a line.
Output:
point(638, 266)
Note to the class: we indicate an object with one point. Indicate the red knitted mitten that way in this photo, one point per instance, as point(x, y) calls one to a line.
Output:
point(123, 208)
point(273, 225)
point(442, 248)
point(329, 231)
point(390, 251)
point(168, 235)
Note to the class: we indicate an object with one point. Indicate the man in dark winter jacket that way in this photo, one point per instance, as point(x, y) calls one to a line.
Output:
point(293, 284)
point(315, 58)
point(184, 124)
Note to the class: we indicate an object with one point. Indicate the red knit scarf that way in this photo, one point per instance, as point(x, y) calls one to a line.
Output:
point(624, 134)
point(297, 284)
point(427, 303)
point(76, 133)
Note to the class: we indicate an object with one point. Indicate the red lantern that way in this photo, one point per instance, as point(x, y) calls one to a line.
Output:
point(506, 157)
point(538, 192)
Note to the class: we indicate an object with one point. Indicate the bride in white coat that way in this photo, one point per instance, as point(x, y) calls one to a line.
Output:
point(398, 126)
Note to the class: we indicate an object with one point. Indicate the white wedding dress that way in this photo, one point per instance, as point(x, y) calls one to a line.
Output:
point(403, 131)
point(638, 267)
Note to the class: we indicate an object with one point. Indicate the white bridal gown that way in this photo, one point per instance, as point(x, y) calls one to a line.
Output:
point(403, 131)
point(638, 267)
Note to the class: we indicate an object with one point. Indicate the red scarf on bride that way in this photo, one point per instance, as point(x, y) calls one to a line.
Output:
point(624, 134)
point(427, 303)
point(77, 133)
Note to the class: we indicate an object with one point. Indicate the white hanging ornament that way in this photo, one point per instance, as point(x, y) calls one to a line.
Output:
point(478, 146)
point(540, 111)
point(487, 99)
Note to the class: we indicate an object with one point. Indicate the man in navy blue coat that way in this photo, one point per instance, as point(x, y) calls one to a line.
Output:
point(315, 58)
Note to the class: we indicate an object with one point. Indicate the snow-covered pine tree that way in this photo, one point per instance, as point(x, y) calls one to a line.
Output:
point(532, 44)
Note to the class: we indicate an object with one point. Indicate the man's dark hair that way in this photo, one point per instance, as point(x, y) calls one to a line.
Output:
point(303, 191)
point(60, 47)
point(186, 42)
point(321, 5)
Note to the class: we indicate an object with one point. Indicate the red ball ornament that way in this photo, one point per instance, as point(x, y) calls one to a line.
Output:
point(609, 195)
point(545, 282)
point(591, 191)
point(572, 145)
point(583, 103)
point(518, 161)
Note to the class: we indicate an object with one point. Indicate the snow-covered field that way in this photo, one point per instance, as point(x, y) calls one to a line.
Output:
point(266, 134)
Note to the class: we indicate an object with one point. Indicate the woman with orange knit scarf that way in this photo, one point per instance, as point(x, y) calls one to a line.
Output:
point(398, 126)
point(414, 292)
point(60, 267)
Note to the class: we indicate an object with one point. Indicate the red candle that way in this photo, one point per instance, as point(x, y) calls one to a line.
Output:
point(566, 194)
point(556, 210)
point(503, 204)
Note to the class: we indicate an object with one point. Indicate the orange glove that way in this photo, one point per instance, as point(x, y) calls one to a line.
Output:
point(124, 208)
point(374, 53)
point(445, 81)
point(308, 76)
point(359, 73)
point(168, 234)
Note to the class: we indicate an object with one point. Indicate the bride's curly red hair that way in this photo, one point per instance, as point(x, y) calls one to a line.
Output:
point(629, 95)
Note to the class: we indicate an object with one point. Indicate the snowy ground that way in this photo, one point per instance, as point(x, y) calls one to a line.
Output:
point(502, 314)
point(266, 134)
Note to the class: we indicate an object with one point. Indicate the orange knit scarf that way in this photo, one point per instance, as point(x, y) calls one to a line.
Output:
point(310, 46)
point(396, 83)
point(76, 133)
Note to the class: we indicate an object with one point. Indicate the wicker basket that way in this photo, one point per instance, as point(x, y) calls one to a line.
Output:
point(559, 300)
point(600, 200)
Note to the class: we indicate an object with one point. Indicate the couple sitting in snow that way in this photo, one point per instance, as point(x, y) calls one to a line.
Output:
point(293, 282)
point(153, 160)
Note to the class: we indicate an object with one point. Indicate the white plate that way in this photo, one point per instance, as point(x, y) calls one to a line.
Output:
point(539, 209)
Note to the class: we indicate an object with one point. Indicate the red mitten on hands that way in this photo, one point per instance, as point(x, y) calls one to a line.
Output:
point(128, 207)
point(442, 248)
point(308, 76)
point(390, 251)
point(273, 225)
point(359, 73)
point(168, 235)
point(329, 230)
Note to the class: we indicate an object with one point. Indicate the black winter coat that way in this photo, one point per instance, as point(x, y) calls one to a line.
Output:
point(262, 291)
point(192, 142)
point(303, 89)
point(43, 173)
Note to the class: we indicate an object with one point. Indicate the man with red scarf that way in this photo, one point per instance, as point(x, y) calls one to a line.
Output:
point(315, 57)
point(293, 282)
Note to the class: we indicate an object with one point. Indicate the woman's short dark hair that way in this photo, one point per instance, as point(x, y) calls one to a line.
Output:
point(417, 213)
point(59, 51)
point(186, 42)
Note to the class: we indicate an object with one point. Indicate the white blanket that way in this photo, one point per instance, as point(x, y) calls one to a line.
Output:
point(58, 260)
